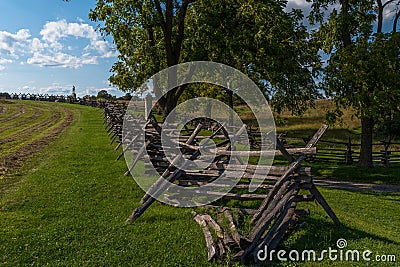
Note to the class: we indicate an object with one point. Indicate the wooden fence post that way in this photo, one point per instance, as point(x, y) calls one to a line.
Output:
point(148, 104)
point(385, 156)
point(349, 153)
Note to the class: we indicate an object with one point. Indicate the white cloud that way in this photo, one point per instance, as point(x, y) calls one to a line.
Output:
point(37, 45)
point(10, 43)
point(53, 48)
point(52, 89)
point(5, 61)
point(298, 4)
point(53, 32)
point(49, 51)
point(62, 60)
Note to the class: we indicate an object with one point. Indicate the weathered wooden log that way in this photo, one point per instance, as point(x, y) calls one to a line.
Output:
point(222, 209)
point(138, 156)
point(283, 151)
point(292, 168)
point(162, 184)
point(240, 240)
point(278, 213)
point(214, 225)
point(274, 236)
point(127, 147)
point(264, 221)
point(242, 197)
point(305, 151)
point(321, 200)
point(211, 246)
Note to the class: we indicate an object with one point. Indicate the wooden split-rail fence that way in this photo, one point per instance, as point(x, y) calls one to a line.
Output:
point(273, 207)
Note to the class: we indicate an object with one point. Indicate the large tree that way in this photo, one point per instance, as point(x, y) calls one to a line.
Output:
point(256, 36)
point(364, 66)
point(148, 35)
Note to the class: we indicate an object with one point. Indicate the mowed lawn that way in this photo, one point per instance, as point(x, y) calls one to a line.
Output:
point(68, 204)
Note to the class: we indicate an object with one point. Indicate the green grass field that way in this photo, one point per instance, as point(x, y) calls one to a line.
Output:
point(66, 206)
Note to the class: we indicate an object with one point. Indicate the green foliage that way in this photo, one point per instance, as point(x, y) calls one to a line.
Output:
point(257, 37)
point(5, 96)
point(127, 96)
point(390, 128)
point(103, 94)
point(364, 66)
point(365, 76)
point(146, 35)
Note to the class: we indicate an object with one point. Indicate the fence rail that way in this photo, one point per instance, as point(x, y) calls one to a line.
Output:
point(384, 153)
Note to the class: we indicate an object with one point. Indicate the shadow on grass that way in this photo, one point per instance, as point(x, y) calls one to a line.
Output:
point(350, 173)
point(321, 234)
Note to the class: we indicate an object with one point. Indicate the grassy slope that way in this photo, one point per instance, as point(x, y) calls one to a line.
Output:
point(70, 201)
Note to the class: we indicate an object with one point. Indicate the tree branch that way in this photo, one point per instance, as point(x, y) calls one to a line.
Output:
point(169, 13)
point(396, 20)
point(346, 38)
point(150, 35)
point(387, 3)
point(380, 15)
point(160, 13)
point(179, 91)
point(180, 29)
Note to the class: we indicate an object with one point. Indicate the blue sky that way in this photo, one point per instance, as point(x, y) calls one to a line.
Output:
point(47, 46)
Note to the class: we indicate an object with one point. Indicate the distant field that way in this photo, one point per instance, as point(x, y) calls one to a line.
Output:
point(311, 121)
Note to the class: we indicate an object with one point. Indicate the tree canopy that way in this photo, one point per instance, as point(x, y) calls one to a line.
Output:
point(255, 36)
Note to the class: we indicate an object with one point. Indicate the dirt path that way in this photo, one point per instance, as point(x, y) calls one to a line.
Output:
point(30, 129)
point(355, 186)
point(15, 159)
point(37, 114)
point(15, 115)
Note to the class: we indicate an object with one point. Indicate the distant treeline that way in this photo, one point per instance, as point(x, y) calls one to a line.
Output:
point(102, 95)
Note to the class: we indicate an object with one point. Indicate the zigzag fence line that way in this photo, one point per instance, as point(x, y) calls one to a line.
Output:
point(274, 205)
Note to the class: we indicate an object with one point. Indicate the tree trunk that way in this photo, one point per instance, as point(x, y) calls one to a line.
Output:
point(346, 37)
point(169, 104)
point(230, 94)
point(367, 126)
